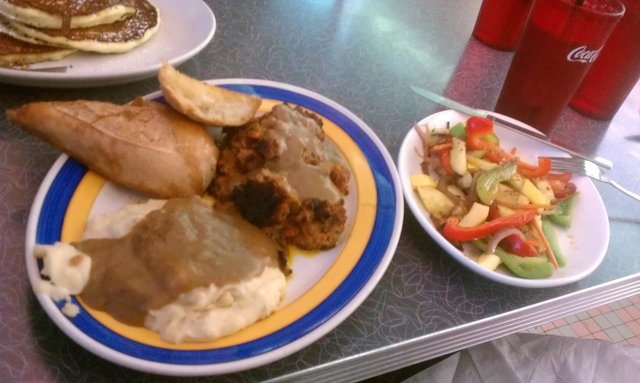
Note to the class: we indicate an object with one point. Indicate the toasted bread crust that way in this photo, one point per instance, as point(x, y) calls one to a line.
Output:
point(206, 103)
point(145, 146)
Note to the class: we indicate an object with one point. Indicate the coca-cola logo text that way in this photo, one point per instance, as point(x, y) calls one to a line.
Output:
point(583, 55)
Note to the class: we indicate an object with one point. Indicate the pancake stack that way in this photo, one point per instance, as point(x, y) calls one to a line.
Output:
point(39, 30)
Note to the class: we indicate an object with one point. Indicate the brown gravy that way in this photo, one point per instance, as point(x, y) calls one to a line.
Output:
point(306, 157)
point(173, 250)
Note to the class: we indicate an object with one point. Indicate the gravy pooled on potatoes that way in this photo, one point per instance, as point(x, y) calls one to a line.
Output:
point(173, 250)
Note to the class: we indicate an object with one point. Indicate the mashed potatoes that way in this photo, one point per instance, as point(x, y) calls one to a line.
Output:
point(212, 312)
point(67, 271)
point(202, 313)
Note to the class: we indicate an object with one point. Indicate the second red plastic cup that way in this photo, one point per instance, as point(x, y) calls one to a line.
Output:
point(561, 40)
point(615, 72)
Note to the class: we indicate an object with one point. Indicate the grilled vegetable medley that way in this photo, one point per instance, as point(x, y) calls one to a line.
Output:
point(500, 210)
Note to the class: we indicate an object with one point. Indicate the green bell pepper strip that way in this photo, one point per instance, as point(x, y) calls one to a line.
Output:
point(487, 183)
point(552, 239)
point(564, 212)
point(491, 138)
point(476, 153)
point(458, 130)
point(524, 267)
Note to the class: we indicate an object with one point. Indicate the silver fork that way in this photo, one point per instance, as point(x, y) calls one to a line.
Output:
point(587, 168)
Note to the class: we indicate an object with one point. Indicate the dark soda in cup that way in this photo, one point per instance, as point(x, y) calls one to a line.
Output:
point(559, 43)
point(500, 22)
point(611, 78)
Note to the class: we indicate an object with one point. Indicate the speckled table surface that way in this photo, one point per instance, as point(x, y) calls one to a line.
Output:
point(363, 55)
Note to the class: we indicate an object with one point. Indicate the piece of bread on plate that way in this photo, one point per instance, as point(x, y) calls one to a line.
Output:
point(145, 146)
point(206, 103)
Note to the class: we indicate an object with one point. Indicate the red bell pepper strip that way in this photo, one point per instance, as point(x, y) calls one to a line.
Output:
point(517, 245)
point(493, 155)
point(454, 232)
point(563, 177)
point(476, 128)
point(532, 171)
point(561, 185)
point(441, 147)
point(445, 161)
point(493, 212)
point(514, 243)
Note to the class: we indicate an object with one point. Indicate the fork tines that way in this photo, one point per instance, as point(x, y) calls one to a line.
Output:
point(569, 164)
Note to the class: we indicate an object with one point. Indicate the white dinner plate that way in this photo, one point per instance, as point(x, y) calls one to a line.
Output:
point(324, 289)
point(584, 243)
point(186, 27)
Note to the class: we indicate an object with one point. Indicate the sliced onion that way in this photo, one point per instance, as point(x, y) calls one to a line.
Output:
point(470, 251)
point(465, 181)
point(429, 166)
point(472, 195)
point(424, 137)
point(443, 185)
point(500, 235)
point(444, 181)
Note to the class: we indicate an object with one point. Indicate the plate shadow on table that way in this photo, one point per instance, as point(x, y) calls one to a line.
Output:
point(66, 361)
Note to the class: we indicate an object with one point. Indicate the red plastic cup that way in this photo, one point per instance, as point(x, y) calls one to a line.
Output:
point(611, 78)
point(559, 43)
point(500, 22)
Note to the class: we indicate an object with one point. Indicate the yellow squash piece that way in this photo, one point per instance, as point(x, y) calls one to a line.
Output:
point(418, 180)
point(508, 196)
point(436, 202)
point(489, 261)
point(544, 186)
point(504, 211)
point(533, 193)
point(458, 156)
point(453, 189)
point(476, 215)
point(479, 163)
point(526, 187)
